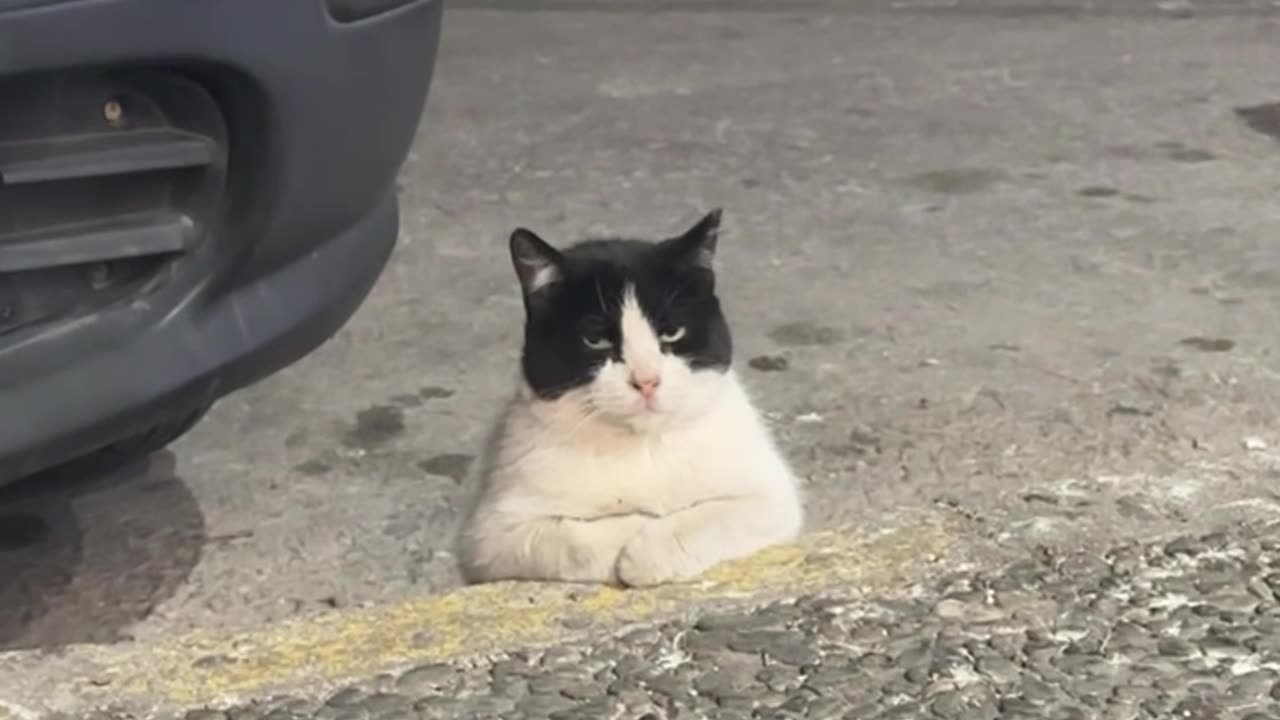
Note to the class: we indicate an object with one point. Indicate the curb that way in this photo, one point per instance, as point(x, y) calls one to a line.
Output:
point(316, 654)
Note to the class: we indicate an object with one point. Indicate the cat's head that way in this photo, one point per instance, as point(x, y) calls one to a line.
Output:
point(632, 330)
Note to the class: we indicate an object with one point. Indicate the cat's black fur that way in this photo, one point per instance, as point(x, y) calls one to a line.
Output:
point(675, 286)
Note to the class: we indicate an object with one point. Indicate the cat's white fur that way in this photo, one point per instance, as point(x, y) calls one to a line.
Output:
point(599, 485)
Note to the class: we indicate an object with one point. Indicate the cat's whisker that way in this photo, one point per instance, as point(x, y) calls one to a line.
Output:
point(591, 414)
point(604, 307)
point(549, 390)
point(671, 297)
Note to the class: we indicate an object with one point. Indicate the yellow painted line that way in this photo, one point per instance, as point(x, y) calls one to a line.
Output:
point(315, 653)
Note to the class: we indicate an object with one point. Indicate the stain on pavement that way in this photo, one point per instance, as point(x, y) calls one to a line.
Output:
point(313, 468)
point(375, 427)
point(957, 181)
point(1097, 191)
point(431, 392)
point(1264, 118)
point(800, 334)
point(451, 465)
point(1179, 152)
point(769, 363)
point(1204, 344)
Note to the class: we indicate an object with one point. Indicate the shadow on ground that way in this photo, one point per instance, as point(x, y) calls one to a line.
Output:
point(84, 558)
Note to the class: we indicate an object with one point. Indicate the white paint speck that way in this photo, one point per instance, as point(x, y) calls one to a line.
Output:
point(1069, 636)
point(1254, 443)
point(1171, 601)
point(964, 676)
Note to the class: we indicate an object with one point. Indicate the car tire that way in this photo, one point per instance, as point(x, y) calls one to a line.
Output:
point(125, 452)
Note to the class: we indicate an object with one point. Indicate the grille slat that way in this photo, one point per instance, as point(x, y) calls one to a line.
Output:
point(101, 154)
point(104, 241)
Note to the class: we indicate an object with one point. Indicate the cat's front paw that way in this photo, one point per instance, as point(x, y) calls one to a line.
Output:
point(654, 557)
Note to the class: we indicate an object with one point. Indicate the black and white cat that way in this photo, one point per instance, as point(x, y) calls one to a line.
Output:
point(630, 454)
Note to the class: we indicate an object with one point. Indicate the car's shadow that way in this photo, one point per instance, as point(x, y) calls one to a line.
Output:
point(83, 558)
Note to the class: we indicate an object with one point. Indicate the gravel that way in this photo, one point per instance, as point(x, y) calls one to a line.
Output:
point(1188, 628)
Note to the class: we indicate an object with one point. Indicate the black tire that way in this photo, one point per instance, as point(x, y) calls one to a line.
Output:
point(130, 450)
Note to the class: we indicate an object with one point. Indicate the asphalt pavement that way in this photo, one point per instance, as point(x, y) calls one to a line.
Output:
point(1004, 277)
point(1188, 628)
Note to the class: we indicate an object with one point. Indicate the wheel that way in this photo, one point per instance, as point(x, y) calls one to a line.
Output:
point(125, 452)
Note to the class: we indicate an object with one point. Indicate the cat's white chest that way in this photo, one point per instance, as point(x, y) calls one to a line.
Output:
point(593, 472)
point(649, 477)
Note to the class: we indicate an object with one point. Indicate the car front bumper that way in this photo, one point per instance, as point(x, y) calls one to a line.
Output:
point(320, 116)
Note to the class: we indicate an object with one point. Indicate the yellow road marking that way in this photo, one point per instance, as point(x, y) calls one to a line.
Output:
point(319, 652)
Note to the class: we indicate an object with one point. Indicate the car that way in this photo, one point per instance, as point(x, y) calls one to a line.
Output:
point(194, 195)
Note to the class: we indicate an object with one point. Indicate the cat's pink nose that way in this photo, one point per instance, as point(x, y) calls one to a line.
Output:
point(646, 385)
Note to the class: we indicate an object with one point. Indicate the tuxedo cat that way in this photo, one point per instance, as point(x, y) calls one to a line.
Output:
point(630, 453)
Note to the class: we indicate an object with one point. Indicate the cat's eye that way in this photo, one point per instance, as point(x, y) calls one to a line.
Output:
point(672, 335)
point(596, 342)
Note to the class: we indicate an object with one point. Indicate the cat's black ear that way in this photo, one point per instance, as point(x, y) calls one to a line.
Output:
point(537, 264)
point(697, 246)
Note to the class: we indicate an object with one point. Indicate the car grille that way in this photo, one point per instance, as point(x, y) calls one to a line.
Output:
point(106, 180)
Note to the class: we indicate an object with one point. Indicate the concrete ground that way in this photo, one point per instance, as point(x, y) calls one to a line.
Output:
point(1005, 266)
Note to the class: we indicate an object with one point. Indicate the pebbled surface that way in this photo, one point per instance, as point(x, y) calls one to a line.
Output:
point(1187, 628)
point(313, 654)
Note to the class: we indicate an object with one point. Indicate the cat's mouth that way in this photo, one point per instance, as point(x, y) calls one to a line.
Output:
point(638, 418)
